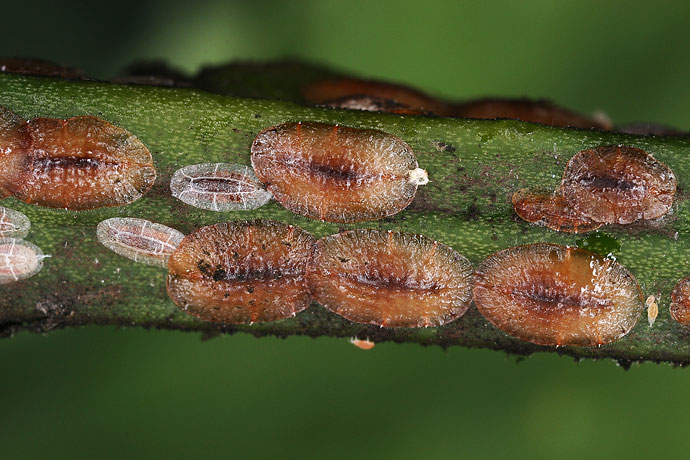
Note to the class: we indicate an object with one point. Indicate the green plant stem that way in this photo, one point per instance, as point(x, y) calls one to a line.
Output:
point(474, 167)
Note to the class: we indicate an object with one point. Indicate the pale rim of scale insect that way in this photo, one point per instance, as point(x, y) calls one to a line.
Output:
point(13, 224)
point(219, 187)
point(19, 259)
point(140, 240)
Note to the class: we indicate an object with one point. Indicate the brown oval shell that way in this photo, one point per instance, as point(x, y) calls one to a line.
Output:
point(241, 272)
point(373, 104)
point(38, 67)
point(324, 90)
point(13, 139)
point(390, 279)
point(534, 111)
point(334, 173)
point(550, 210)
point(680, 302)
point(557, 295)
point(78, 164)
point(618, 185)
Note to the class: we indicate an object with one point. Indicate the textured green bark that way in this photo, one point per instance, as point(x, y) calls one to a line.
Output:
point(474, 167)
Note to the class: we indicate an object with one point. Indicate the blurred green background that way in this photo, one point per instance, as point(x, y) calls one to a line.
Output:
point(113, 393)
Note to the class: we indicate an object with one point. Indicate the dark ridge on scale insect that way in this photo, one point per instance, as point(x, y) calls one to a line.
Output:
point(13, 224)
point(618, 185)
point(680, 302)
point(78, 164)
point(139, 240)
point(241, 272)
point(335, 173)
point(557, 295)
point(390, 279)
point(39, 67)
point(219, 187)
point(19, 260)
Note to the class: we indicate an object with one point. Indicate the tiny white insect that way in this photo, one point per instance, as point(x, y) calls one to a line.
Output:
point(139, 240)
point(652, 309)
point(13, 224)
point(219, 187)
point(19, 260)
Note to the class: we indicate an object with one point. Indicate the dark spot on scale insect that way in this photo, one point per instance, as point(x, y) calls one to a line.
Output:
point(204, 267)
point(257, 115)
point(219, 274)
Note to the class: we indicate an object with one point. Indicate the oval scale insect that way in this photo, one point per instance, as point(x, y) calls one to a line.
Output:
point(13, 224)
point(680, 302)
point(372, 104)
point(390, 279)
point(19, 260)
point(534, 111)
point(219, 187)
point(618, 185)
point(78, 164)
point(241, 272)
point(550, 210)
point(334, 173)
point(139, 240)
point(322, 91)
point(557, 295)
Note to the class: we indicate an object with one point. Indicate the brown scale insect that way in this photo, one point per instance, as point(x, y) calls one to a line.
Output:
point(680, 302)
point(539, 111)
point(373, 104)
point(241, 272)
point(325, 90)
point(557, 295)
point(334, 173)
point(38, 67)
point(78, 164)
point(550, 210)
point(618, 185)
point(390, 279)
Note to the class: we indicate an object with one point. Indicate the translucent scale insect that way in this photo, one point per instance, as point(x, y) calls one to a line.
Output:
point(219, 187)
point(139, 240)
point(13, 224)
point(19, 260)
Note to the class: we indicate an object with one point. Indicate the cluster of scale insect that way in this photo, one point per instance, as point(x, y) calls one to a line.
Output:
point(381, 96)
point(605, 185)
point(139, 240)
point(219, 187)
point(326, 172)
point(19, 259)
point(81, 163)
